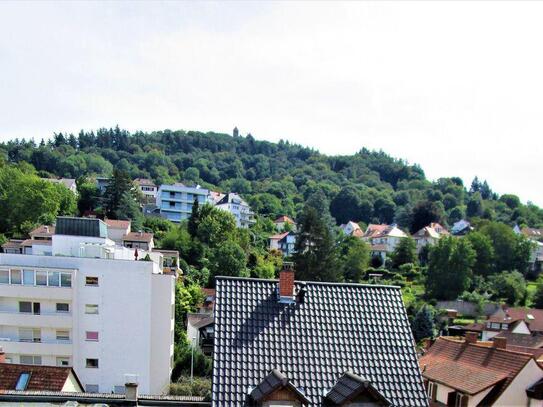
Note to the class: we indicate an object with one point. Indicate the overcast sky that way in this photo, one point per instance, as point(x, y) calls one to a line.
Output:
point(456, 87)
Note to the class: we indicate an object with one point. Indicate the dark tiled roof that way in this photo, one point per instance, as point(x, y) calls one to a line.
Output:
point(336, 328)
point(351, 386)
point(50, 378)
point(450, 362)
point(272, 382)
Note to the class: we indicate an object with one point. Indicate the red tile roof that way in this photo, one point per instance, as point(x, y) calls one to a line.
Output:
point(375, 230)
point(43, 230)
point(471, 368)
point(284, 218)
point(50, 378)
point(279, 236)
point(117, 224)
point(510, 315)
point(138, 237)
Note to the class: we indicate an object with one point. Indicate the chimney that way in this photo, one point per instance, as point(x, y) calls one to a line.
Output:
point(471, 337)
point(286, 282)
point(131, 387)
point(2, 355)
point(499, 343)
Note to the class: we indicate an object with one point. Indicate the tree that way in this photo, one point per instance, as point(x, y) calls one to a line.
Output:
point(215, 226)
point(315, 257)
point(423, 324)
point(424, 213)
point(194, 219)
point(484, 253)
point(354, 257)
point(129, 209)
point(119, 184)
point(509, 286)
point(449, 268)
point(228, 259)
point(475, 206)
point(346, 205)
point(538, 299)
point(405, 252)
point(88, 195)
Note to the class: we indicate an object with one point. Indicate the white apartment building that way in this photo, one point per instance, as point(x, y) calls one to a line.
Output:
point(147, 188)
point(240, 209)
point(89, 305)
point(175, 201)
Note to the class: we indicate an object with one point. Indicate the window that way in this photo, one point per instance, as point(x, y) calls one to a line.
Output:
point(92, 363)
point(53, 278)
point(65, 280)
point(172, 204)
point(4, 276)
point(16, 277)
point(91, 309)
point(432, 391)
point(28, 277)
point(63, 335)
point(22, 381)
point(461, 400)
point(91, 388)
point(30, 360)
point(29, 334)
point(63, 307)
point(92, 281)
point(41, 278)
point(495, 325)
point(92, 336)
point(29, 307)
point(63, 361)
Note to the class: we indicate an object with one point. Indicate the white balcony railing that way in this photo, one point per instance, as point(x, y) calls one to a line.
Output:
point(35, 340)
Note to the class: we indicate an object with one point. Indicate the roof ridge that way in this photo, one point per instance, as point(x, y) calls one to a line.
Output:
point(275, 280)
point(481, 346)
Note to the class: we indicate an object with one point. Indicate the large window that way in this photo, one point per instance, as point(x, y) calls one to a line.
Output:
point(22, 382)
point(92, 336)
point(30, 360)
point(28, 277)
point(61, 361)
point(29, 334)
point(65, 280)
point(4, 276)
point(41, 278)
point(63, 307)
point(33, 277)
point(30, 307)
point(63, 335)
point(91, 388)
point(53, 278)
point(16, 277)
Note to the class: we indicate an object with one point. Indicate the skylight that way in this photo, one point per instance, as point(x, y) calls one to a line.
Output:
point(22, 382)
point(530, 316)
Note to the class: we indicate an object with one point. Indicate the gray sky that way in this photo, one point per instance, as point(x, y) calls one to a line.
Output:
point(454, 86)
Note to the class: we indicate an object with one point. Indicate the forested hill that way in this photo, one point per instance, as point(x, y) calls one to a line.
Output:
point(276, 178)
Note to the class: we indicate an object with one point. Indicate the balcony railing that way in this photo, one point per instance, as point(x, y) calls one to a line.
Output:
point(35, 340)
point(45, 313)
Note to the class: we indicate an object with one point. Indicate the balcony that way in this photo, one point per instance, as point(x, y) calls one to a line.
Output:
point(36, 292)
point(13, 317)
point(43, 347)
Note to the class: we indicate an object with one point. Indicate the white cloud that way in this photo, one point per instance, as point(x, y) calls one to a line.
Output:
point(454, 86)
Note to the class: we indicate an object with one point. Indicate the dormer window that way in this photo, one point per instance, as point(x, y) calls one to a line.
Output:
point(276, 390)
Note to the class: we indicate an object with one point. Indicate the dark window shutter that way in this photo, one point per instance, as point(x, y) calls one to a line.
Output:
point(434, 392)
point(464, 402)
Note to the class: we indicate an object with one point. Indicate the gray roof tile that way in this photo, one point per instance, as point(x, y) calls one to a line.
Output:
point(337, 328)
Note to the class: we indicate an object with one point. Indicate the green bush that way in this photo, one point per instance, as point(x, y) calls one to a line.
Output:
point(201, 386)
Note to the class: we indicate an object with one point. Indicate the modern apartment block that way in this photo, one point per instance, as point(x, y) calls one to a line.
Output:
point(90, 305)
point(175, 201)
point(237, 206)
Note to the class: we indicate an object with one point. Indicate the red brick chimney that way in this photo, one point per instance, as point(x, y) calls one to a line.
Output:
point(499, 343)
point(2, 355)
point(286, 282)
point(471, 337)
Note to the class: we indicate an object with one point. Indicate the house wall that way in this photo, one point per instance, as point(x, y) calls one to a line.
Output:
point(133, 303)
point(116, 234)
point(515, 394)
point(71, 384)
point(521, 328)
point(443, 393)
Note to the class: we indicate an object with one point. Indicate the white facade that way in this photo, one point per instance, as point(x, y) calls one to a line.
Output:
point(241, 211)
point(86, 307)
point(175, 201)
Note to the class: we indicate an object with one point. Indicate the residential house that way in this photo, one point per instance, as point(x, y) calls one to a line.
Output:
point(175, 201)
point(383, 239)
point(117, 229)
point(536, 256)
point(294, 343)
point(36, 378)
point(282, 221)
point(429, 235)
point(351, 229)
point(140, 240)
point(238, 207)
point(147, 187)
point(467, 373)
point(201, 325)
point(531, 233)
point(77, 307)
point(101, 183)
point(67, 182)
point(461, 228)
point(284, 242)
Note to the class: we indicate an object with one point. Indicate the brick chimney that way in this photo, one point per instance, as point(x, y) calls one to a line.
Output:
point(286, 282)
point(499, 343)
point(2, 355)
point(471, 337)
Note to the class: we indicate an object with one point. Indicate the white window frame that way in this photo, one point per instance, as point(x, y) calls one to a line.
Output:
point(90, 308)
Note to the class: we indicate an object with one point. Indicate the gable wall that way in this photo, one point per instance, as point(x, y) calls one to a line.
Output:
point(515, 394)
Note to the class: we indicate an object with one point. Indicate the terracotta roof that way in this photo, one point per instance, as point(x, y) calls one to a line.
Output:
point(43, 230)
point(279, 236)
point(117, 224)
point(532, 316)
point(209, 292)
point(138, 237)
point(31, 242)
point(51, 378)
point(476, 327)
point(450, 362)
point(12, 243)
point(144, 181)
point(375, 230)
point(283, 218)
point(523, 340)
point(532, 233)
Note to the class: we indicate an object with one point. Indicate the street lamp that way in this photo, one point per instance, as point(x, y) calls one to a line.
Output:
point(192, 362)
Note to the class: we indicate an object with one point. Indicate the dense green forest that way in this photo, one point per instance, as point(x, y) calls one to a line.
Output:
point(276, 178)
